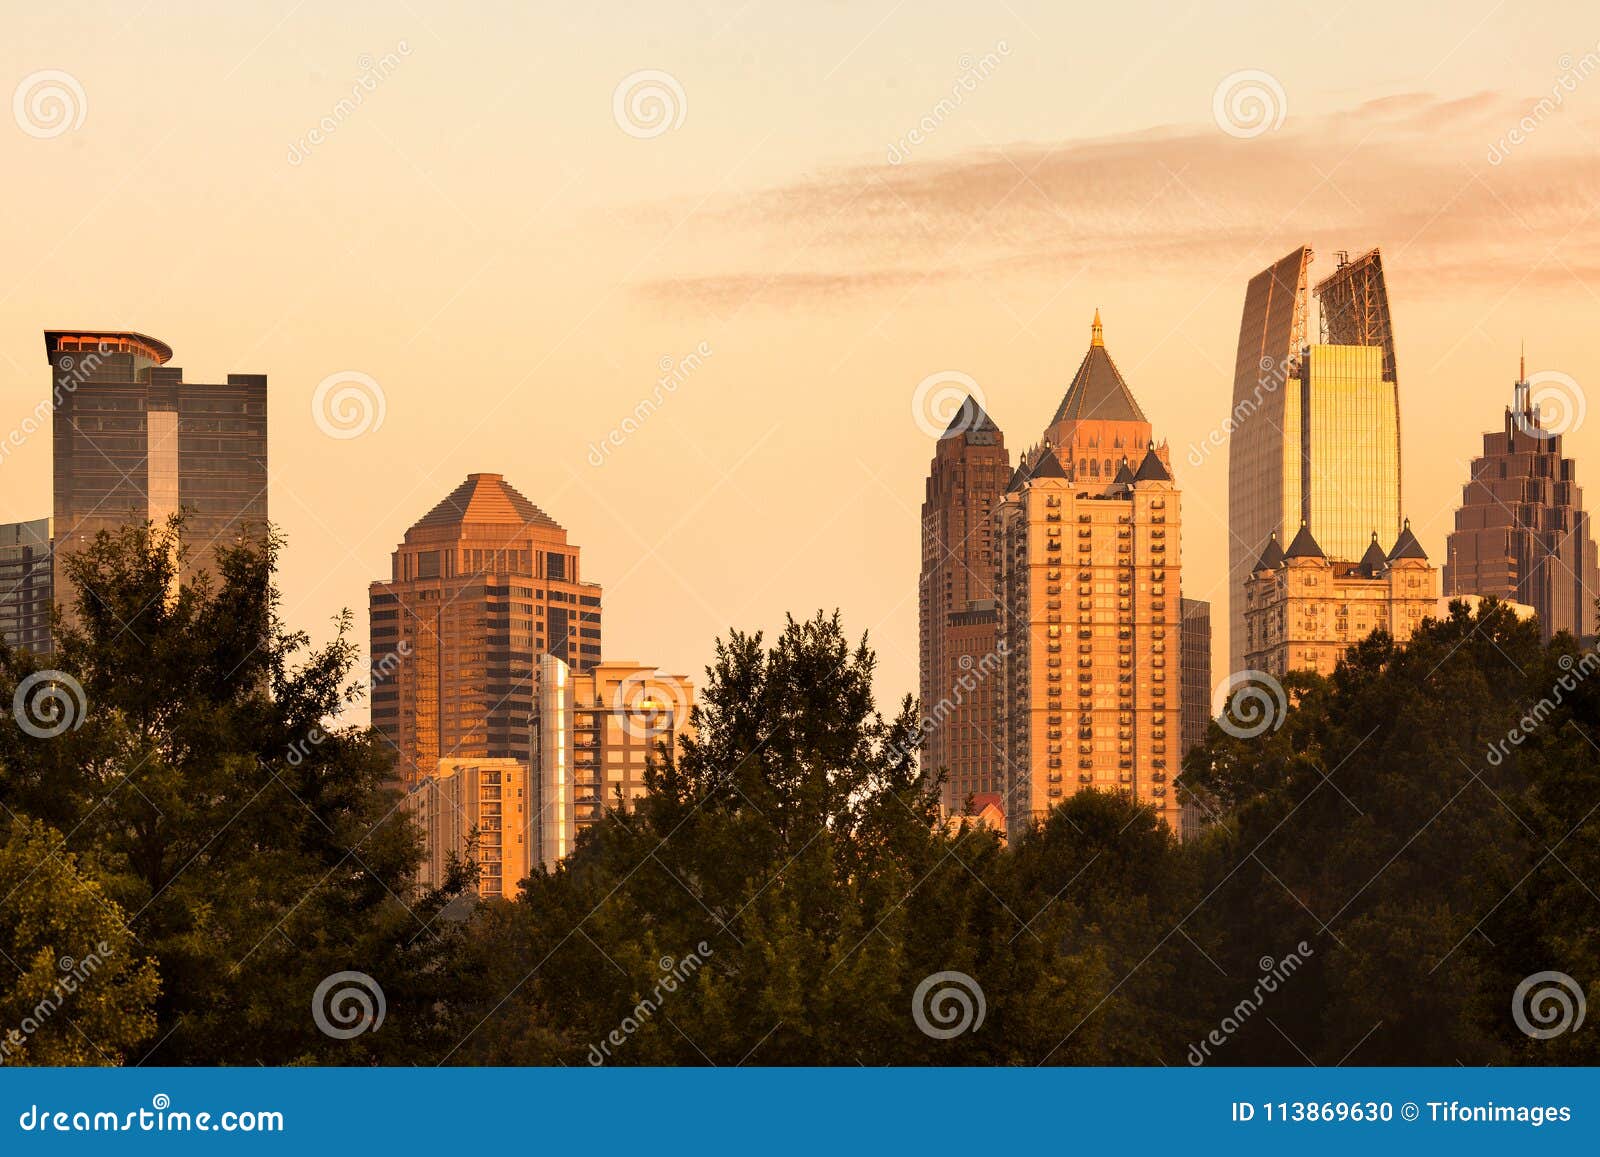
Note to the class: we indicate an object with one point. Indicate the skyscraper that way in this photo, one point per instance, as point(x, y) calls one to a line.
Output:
point(484, 584)
point(1090, 565)
point(1196, 658)
point(1316, 426)
point(1521, 531)
point(593, 735)
point(134, 441)
point(26, 585)
point(959, 618)
point(482, 800)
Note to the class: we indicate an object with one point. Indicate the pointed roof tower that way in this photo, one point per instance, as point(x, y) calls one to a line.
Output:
point(1124, 473)
point(1152, 469)
point(1047, 465)
point(1304, 546)
point(970, 419)
point(1407, 546)
point(1272, 557)
point(485, 499)
point(1097, 392)
point(1374, 562)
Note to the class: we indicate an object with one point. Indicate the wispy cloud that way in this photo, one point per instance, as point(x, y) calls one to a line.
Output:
point(1410, 172)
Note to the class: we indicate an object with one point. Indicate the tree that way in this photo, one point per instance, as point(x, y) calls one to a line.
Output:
point(255, 844)
point(84, 990)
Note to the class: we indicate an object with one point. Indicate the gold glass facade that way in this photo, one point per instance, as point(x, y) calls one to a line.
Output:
point(1350, 446)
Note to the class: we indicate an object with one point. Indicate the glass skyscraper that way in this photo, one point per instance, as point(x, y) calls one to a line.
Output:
point(1315, 425)
point(135, 442)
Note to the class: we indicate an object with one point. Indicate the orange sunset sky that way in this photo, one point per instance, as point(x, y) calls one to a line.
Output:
point(510, 250)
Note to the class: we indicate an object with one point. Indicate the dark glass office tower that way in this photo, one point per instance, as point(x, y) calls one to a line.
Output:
point(134, 441)
point(25, 584)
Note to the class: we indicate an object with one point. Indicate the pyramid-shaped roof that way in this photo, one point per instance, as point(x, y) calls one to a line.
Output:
point(1374, 562)
point(486, 498)
point(1097, 391)
point(1152, 469)
point(1407, 546)
point(969, 419)
point(1304, 546)
point(1124, 473)
point(1272, 557)
point(1047, 465)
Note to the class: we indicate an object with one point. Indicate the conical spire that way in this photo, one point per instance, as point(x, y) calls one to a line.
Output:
point(1407, 546)
point(1124, 473)
point(1272, 557)
point(1304, 546)
point(1374, 562)
point(1097, 336)
point(1097, 391)
point(1152, 469)
point(969, 419)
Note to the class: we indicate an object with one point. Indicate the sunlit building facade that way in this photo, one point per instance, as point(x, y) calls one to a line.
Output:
point(593, 735)
point(478, 807)
point(482, 586)
point(1521, 532)
point(959, 619)
point(1089, 575)
point(1315, 424)
point(134, 441)
point(1303, 610)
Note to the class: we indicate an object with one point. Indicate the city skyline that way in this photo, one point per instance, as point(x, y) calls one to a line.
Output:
point(1480, 251)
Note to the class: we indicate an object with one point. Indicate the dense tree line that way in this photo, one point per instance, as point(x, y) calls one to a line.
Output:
point(1386, 859)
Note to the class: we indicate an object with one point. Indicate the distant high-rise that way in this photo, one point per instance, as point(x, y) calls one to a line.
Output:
point(26, 583)
point(1521, 531)
point(1316, 426)
point(135, 442)
point(1196, 650)
point(481, 587)
point(1089, 569)
point(486, 800)
point(959, 619)
point(593, 735)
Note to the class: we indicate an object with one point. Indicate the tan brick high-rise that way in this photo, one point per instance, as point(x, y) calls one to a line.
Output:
point(481, 587)
point(959, 617)
point(1089, 571)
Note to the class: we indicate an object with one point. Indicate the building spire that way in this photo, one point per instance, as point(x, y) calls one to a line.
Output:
point(1096, 336)
point(1522, 362)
